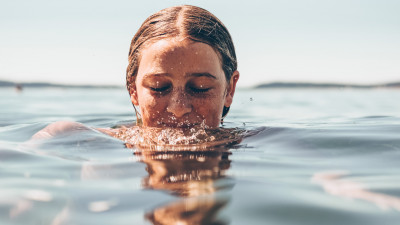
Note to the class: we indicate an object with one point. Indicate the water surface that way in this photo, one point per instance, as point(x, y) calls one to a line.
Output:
point(313, 157)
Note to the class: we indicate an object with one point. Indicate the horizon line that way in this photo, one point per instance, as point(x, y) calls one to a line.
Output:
point(275, 84)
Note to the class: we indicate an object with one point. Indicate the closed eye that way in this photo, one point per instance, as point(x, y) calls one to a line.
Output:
point(159, 89)
point(199, 90)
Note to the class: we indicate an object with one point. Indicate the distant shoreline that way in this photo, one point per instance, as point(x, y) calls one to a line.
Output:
point(325, 85)
point(51, 85)
point(273, 85)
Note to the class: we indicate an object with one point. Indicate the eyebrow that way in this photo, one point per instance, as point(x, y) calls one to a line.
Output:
point(187, 75)
point(156, 75)
point(201, 75)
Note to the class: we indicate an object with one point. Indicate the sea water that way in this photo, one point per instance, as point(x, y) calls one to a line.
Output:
point(313, 156)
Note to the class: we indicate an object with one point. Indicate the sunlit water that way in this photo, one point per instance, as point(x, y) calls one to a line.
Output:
point(292, 143)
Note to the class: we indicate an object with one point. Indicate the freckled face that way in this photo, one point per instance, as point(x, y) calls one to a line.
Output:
point(180, 84)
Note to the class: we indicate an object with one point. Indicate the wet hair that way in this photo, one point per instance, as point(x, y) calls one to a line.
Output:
point(188, 21)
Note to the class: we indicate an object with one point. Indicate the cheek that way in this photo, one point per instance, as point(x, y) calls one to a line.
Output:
point(209, 108)
point(151, 107)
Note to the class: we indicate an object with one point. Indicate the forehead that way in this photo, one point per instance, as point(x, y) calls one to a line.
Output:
point(179, 56)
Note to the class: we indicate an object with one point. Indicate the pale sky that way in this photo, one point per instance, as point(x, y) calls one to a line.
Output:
point(87, 41)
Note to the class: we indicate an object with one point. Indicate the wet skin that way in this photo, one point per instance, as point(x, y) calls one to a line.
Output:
point(180, 83)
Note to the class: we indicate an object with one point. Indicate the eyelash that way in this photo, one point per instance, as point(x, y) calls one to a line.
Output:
point(162, 89)
point(199, 90)
point(194, 90)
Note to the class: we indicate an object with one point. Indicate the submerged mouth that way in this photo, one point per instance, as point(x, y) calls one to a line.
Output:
point(179, 125)
point(173, 122)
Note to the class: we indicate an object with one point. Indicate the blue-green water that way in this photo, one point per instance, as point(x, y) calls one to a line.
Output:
point(318, 157)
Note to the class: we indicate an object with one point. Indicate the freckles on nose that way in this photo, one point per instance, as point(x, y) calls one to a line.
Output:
point(179, 104)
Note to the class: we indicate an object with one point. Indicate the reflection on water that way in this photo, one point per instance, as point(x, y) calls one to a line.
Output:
point(201, 210)
point(186, 174)
point(193, 176)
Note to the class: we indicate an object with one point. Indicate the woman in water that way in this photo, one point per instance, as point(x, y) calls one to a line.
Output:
point(182, 72)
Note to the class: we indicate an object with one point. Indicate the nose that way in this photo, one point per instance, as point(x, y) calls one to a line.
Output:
point(179, 103)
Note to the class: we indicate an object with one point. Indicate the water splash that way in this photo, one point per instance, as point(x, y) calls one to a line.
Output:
point(179, 139)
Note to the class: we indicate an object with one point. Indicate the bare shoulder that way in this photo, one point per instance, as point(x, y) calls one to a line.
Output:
point(69, 127)
point(59, 128)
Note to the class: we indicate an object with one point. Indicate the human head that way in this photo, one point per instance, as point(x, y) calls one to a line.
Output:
point(191, 23)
